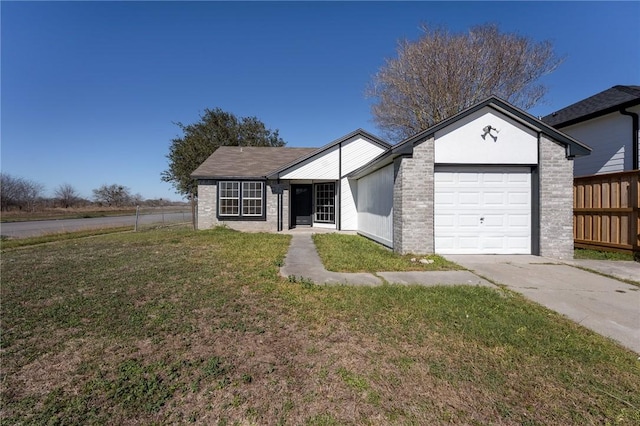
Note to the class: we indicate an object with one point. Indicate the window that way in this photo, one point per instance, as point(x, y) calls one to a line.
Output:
point(229, 204)
point(234, 195)
point(325, 202)
point(251, 198)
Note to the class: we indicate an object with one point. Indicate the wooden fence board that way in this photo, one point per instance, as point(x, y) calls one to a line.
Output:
point(606, 211)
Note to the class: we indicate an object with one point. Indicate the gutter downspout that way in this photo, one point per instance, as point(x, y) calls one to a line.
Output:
point(279, 207)
point(339, 195)
point(634, 137)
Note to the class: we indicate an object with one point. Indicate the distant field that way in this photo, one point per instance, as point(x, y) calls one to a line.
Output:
point(172, 326)
point(84, 213)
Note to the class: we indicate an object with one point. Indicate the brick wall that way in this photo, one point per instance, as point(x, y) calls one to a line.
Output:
point(413, 194)
point(207, 199)
point(207, 210)
point(556, 201)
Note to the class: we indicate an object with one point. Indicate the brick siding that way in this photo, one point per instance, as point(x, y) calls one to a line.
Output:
point(413, 194)
point(556, 201)
point(207, 210)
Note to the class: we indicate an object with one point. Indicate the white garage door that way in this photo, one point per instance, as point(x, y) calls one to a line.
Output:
point(483, 210)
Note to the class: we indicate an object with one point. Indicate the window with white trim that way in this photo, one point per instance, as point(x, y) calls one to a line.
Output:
point(251, 198)
point(325, 202)
point(241, 199)
point(229, 198)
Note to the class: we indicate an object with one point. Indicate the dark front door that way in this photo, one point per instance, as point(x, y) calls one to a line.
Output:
point(301, 209)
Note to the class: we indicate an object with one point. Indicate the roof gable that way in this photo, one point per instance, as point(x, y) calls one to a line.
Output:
point(247, 161)
point(263, 162)
point(574, 147)
point(359, 132)
point(606, 102)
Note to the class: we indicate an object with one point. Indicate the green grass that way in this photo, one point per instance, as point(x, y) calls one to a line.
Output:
point(171, 326)
point(601, 255)
point(354, 253)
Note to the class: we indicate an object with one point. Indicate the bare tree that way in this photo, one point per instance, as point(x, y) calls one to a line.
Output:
point(19, 192)
point(442, 73)
point(66, 195)
point(112, 195)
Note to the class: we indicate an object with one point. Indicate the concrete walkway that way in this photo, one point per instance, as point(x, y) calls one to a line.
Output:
point(621, 269)
point(605, 305)
point(303, 261)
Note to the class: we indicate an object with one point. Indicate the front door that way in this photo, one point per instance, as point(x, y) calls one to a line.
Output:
point(301, 204)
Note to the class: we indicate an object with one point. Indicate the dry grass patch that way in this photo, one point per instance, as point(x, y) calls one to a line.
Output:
point(174, 326)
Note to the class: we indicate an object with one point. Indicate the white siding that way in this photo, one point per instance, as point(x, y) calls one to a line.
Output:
point(321, 166)
point(610, 138)
point(462, 141)
point(375, 205)
point(333, 164)
point(356, 153)
point(348, 212)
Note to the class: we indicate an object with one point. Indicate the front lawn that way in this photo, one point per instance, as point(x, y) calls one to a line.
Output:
point(354, 253)
point(172, 326)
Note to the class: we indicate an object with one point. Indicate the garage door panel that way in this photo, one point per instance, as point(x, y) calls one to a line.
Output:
point(468, 242)
point(521, 178)
point(468, 199)
point(492, 221)
point(483, 210)
point(493, 243)
point(445, 199)
point(520, 198)
point(468, 178)
point(516, 243)
point(444, 177)
point(493, 178)
point(494, 198)
point(447, 243)
point(519, 221)
point(468, 220)
point(448, 221)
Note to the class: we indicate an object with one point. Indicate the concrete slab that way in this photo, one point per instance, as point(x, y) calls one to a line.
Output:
point(303, 261)
point(430, 278)
point(606, 306)
point(626, 270)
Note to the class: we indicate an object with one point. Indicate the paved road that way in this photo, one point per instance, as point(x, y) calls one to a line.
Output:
point(42, 227)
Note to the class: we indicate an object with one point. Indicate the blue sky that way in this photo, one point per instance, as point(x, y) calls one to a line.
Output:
point(90, 91)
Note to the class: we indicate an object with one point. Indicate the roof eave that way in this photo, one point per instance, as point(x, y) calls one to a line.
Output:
point(220, 177)
point(596, 114)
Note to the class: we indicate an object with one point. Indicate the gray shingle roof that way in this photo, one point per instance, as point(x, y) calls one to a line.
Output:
point(247, 161)
point(599, 104)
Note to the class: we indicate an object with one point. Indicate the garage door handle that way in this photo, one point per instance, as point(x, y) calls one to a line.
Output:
point(482, 220)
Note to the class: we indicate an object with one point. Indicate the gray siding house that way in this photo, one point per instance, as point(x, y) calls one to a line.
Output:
point(608, 122)
point(490, 180)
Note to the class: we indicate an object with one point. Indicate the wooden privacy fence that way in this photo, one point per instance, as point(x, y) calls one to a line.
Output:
point(605, 212)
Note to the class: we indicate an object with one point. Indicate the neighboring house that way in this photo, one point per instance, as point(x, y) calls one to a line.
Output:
point(608, 123)
point(491, 179)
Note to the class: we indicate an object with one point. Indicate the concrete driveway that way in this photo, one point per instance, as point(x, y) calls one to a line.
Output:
point(606, 306)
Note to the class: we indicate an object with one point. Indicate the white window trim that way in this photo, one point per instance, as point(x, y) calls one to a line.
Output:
point(243, 198)
point(220, 198)
point(316, 204)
